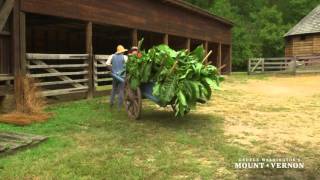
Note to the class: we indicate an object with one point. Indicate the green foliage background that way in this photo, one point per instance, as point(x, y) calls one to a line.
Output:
point(259, 24)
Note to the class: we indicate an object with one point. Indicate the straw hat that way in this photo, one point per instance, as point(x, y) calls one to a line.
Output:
point(121, 49)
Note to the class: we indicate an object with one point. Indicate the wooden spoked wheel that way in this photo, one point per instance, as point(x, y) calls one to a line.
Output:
point(133, 102)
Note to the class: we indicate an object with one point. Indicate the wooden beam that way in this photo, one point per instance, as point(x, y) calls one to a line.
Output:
point(68, 66)
point(219, 56)
point(61, 82)
point(166, 39)
point(230, 58)
point(64, 91)
point(5, 12)
point(206, 49)
point(38, 56)
point(64, 78)
point(16, 56)
point(135, 37)
point(23, 43)
point(59, 74)
point(101, 57)
point(89, 51)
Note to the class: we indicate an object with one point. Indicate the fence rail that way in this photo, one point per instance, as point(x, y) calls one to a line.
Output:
point(307, 64)
point(59, 74)
point(102, 75)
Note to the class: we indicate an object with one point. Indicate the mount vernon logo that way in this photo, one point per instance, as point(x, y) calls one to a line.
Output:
point(270, 163)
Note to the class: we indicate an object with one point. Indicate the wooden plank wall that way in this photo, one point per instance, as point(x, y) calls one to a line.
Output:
point(303, 46)
point(139, 14)
point(316, 44)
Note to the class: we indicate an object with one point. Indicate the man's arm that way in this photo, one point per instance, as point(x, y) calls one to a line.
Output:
point(109, 62)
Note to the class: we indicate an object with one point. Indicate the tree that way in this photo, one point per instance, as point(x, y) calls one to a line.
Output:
point(259, 24)
point(270, 29)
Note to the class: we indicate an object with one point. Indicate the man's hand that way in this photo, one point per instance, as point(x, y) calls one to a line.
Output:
point(109, 67)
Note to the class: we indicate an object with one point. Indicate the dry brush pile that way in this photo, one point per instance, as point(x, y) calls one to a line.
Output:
point(30, 108)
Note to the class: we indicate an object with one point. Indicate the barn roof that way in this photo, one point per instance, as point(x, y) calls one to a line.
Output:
point(196, 9)
point(308, 25)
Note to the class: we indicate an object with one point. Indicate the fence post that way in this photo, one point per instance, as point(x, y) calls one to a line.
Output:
point(262, 65)
point(294, 65)
point(89, 51)
point(249, 67)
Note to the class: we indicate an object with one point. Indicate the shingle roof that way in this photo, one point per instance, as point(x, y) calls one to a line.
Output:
point(309, 24)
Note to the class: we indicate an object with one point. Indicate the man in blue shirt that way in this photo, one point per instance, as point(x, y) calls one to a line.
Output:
point(117, 61)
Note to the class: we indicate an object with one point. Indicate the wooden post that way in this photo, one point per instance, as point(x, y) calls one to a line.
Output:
point(294, 72)
point(166, 39)
point(262, 64)
point(135, 37)
point(230, 58)
point(206, 49)
point(219, 57)
point(188, 44)
point(89, 51)
point(5, 12)
point(249, 67)
point(23, 43)
point(16, 55)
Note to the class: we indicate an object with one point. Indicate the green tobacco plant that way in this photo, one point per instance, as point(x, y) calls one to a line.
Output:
point(180, 78)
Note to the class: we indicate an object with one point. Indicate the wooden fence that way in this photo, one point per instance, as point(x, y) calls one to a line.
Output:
point(59, 74)
point(102, 75)
point(290, 65)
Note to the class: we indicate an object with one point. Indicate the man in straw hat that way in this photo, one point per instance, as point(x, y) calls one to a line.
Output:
point(117, 62)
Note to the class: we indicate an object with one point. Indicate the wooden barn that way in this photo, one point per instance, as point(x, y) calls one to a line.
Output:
point(64, 44)
point(304, 38)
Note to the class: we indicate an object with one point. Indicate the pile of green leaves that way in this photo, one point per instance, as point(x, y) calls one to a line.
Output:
point(180, 78)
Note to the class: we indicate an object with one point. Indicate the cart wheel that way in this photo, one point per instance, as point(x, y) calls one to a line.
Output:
point(133, 102)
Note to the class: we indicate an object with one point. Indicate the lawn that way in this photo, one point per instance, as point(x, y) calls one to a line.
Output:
point(88, 140)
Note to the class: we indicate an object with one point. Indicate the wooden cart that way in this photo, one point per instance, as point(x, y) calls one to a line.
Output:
point(133, 98)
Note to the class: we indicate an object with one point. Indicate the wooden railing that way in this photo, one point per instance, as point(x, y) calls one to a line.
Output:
point(102, 75)
point(292, 65)
point(59, 74)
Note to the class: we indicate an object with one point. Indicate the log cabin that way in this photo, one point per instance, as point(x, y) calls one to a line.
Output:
point(304, 38)
point(64, 44)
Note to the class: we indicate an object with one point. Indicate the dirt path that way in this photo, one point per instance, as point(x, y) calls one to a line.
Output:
point(276, 114)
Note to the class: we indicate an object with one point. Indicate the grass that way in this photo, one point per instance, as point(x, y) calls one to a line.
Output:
point(87, 140)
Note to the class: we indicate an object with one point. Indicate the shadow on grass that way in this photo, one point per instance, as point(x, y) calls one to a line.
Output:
point(209, 127)
point(167, 119)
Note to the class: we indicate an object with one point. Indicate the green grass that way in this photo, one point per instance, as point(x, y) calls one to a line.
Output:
point(87, 140)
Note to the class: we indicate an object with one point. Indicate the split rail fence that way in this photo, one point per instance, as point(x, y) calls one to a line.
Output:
point(289, 65)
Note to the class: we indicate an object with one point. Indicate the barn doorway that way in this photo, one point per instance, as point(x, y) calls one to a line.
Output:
point(56, 55)
point(213, 59)
point(105, 41)
point(178, 43)
point(106, 38)
point(47, 34)
point(195, 43)
point(225, 61)
point(150, 39)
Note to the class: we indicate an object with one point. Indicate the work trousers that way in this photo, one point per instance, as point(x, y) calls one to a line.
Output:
point(117, 89)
